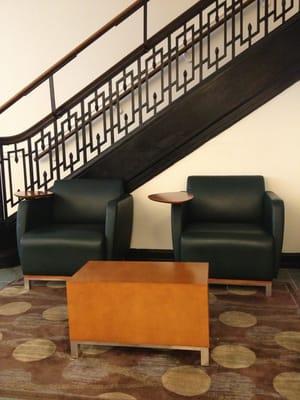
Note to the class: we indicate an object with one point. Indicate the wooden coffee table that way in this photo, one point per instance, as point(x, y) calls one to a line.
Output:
point(146, 304)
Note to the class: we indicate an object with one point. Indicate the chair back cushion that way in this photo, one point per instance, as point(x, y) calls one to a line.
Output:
point(83, 201)
point(226, 198)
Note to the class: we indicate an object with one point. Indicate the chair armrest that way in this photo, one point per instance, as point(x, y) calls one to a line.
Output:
point(178, 221)
point(118, 227)
point(32, 214)
point(274, 223)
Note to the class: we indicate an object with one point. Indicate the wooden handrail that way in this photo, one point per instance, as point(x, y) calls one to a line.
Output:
point(136, 5)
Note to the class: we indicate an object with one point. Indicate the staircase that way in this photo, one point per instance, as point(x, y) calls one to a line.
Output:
point(200, 74)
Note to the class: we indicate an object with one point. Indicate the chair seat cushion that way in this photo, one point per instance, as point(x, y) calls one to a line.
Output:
point(234, 251)
point(61, 249)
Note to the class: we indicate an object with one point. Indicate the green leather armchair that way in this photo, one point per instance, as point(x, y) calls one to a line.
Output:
point(232, 223)
point(85, 220)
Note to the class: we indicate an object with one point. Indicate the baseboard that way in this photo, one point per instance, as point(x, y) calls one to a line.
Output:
point(150, 255)
point(288, 260)
point(9, 258)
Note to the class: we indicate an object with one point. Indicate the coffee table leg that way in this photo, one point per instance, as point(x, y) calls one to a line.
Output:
point(204, 356)
point(74, 349)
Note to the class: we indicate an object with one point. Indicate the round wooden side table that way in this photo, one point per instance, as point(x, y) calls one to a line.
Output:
point(171, 197)
point(33, 194)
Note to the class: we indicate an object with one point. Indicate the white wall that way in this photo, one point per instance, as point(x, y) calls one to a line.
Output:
point(34, 34)
point(266, 142)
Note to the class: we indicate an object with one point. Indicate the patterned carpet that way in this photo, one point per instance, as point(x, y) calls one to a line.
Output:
point(255, 355)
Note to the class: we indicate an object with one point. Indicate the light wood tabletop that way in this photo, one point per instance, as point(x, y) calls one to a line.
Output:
point(33, 194)
point(143, 271)
point(171, 197)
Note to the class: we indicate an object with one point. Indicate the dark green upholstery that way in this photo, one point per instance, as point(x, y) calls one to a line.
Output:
point(84, 220)
point(232, 223)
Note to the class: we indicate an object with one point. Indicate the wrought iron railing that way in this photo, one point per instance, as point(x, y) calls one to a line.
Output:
point(113, 107)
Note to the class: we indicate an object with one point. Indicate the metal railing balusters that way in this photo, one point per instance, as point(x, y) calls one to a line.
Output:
point(139, 88)
point(56, 140)
point(9, 174)
point(56, 151)
point(83, 131)
point(170, 69)
point(52, 94)
point(45, 181)
point(30, 164)
point(36, 162)
point(3, 204)
point(267, 16)
point(233, 29)
point(132, 104)
point(111, 112)
point(201, 48)
point(283, 2)
point(241, 23)
point(145, 23)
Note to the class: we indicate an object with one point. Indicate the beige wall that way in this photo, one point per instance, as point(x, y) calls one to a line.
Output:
point(266, 142)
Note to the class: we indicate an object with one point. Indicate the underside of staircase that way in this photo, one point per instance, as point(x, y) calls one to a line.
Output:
point(160, 132)
point(241, 87)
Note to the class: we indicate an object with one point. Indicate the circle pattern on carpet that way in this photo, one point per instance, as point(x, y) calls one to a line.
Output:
point(238, 319)
point(287, 384)
point(34, 350)
point(289, 340)
point(116, 396)
point(241, 291)
point(186, 381)
point(58, 313)
point(14, 308)
point(233, 356)
point(13, 291)
point(92, 350)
